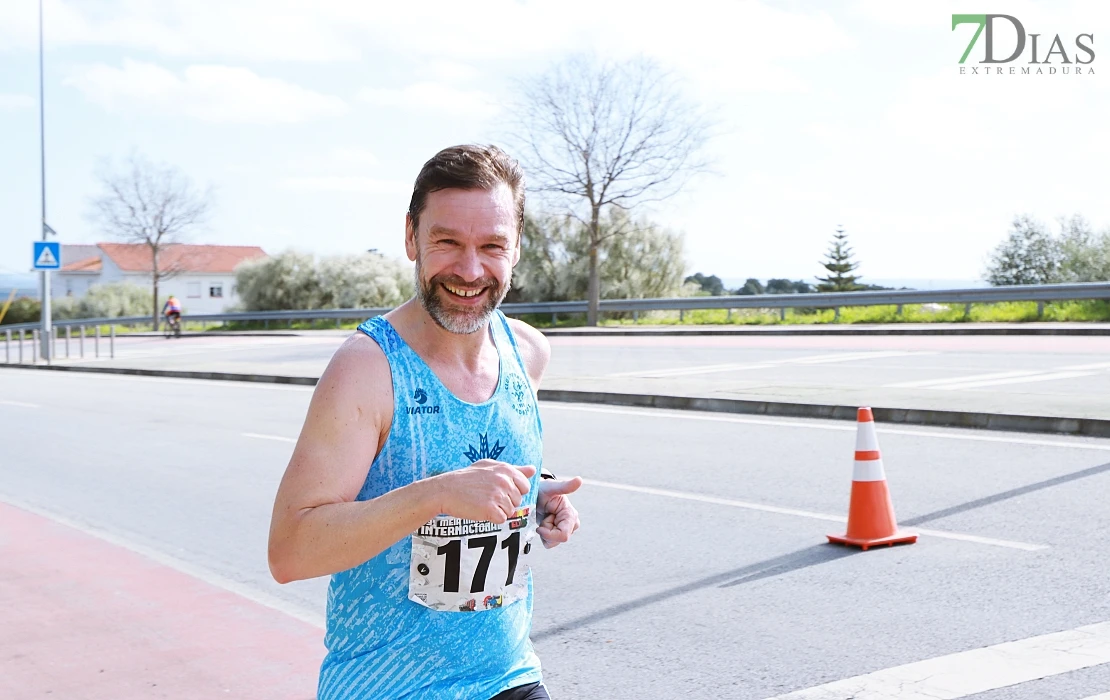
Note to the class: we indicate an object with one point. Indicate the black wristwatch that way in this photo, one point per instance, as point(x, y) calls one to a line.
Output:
point(545, 473)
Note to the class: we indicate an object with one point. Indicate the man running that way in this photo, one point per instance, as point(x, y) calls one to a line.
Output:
point(416, 479)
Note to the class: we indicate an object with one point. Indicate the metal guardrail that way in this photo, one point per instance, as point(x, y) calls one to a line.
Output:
point(782, 302)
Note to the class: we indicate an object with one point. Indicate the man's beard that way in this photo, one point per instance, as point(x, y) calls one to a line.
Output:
point(462, 320)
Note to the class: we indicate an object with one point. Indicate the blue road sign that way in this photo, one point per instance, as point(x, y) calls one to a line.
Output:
point(48, 255)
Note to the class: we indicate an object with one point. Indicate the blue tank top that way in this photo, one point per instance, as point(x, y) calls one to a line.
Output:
point(382, 645)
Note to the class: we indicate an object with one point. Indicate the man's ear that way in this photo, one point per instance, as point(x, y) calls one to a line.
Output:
point(410, 238)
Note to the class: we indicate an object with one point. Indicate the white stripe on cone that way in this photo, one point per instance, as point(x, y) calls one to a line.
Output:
point(866, 439)
point(868, 470)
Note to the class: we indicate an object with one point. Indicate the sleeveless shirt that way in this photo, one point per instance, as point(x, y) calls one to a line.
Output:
point(383, 645)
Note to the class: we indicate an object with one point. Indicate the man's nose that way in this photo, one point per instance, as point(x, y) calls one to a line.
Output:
point(469, 265)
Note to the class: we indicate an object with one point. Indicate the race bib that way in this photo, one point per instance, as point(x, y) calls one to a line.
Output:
point(471, 565)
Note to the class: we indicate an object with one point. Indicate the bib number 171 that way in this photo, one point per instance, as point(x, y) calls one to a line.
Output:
point(468, 565)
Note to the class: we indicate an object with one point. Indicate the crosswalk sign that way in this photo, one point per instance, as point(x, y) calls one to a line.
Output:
point(48, 255)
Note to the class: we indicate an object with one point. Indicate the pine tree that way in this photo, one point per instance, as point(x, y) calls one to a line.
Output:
point(838, 261)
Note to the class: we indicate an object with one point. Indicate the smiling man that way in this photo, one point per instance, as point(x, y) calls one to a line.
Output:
point(416, 481)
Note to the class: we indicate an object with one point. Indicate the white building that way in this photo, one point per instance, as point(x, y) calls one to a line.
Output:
point(200, 276)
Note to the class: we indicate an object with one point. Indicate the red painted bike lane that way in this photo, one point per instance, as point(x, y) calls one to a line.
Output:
point(82, 618)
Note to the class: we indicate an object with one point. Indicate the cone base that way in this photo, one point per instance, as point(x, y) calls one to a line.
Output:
point(899, 537)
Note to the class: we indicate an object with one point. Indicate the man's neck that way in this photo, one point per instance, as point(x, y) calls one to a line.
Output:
point(436, 344)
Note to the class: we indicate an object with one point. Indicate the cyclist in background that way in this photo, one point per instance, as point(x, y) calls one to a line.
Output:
point(172, 311)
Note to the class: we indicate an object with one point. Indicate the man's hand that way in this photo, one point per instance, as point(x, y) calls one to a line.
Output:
point(560, 519)
point(486, 490)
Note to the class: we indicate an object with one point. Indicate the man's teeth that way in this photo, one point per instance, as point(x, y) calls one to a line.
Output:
point(464, 292)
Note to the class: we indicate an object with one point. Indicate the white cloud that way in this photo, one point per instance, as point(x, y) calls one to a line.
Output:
point(726, 45)
point(209, 93)
point(362, 185)
point(433, 97)
point(12, 102)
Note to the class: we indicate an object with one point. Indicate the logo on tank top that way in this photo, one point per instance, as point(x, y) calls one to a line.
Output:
point(520, 394)
point(484, 451)
point(421, 397)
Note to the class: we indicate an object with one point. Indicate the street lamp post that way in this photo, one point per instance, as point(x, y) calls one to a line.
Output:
point(46, 350)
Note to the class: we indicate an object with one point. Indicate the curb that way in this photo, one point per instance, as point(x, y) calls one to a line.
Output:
point(174, 373)
point(1082, 427)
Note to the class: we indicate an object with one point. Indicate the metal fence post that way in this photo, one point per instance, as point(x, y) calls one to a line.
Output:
point(636, 316)
point(728, 316)
point(81, 342)
point(20, 346)
point(681, 315)
point(899, 310)
point(34, 347)
point(554, 318)
point(112, 341)
point(8, 346)
point(836, 313)
point(782, 313)
point(266, 324)
point(96, 343)
point(967, 309)
point(67, 341)
point(1040, 309)
point(53, 344)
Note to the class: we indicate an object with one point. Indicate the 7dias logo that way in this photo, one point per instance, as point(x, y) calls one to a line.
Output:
point(1046, 57)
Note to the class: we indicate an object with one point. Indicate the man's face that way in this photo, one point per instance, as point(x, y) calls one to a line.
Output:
point(464, 251)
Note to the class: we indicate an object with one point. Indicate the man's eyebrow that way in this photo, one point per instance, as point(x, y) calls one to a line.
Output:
point(437, 230)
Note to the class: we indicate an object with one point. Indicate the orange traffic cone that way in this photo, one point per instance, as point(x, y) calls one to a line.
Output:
point(870, 514)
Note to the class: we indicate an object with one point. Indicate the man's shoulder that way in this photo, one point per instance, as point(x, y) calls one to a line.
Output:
point(359, 369)
point(535, 349)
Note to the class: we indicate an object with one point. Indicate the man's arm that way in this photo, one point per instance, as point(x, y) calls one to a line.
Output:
point(560, 518)
point(317, 527)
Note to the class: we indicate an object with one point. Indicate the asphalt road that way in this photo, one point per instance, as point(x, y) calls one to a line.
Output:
point(701, 569)
point(1064, 376)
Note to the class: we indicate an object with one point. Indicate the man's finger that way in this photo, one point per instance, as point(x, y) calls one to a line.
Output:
point(552, 487)
point(521, 478)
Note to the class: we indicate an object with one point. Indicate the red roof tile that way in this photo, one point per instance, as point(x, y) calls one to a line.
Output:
point(86, 265)
point(135, 257)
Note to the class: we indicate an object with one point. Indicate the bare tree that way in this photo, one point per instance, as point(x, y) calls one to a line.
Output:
point(600, 134)
point(151, 204)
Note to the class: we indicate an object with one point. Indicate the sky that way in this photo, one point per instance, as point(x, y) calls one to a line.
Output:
point(311, 118)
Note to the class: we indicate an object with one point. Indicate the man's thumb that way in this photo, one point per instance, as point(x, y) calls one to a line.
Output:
point(563, 486)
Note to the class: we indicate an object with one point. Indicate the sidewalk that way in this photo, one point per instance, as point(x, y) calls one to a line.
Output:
point(86, 619)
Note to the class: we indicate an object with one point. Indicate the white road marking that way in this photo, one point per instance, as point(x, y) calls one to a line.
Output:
point(1025, 546)
point(1101, 696)
point(976, 671)
point(768, 364)
point(21, 404)
point(972, 381)
point(931, 383)
point(846, 357)
point(1096, 365)
point(803, 423)
point(260, 436)
point(312, 617)
point(1050, 376)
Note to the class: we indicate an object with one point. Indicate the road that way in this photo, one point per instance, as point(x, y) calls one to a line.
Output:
point(1062, 376)
point(701, 569)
